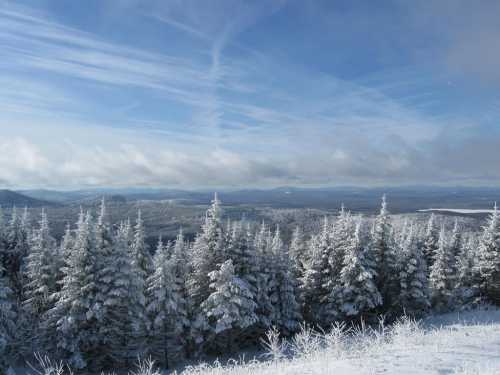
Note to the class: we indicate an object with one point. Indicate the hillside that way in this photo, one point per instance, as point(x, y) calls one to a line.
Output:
point(9, 198)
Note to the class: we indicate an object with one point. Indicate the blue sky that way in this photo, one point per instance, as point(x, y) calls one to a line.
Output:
point(249, 93)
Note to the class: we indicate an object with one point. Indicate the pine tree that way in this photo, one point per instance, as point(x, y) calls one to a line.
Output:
point(74, 318)
point(359, 293)
point(206, 254)
point(311, 283)
point(166, 307)
point(41, 274)
point(288, 315)
point(7, 321)
point(414, 291)
point(41, 270)
point(229, 309)
point(340, 240)
point(468, 285)
point(140, 251)
point(455, 250)
point(431, 242)
point(125, 318)
point(441, 276)
point(385, 261)
point(16, 249)
point(297, 252)
point(489, 250)
point(264, 306)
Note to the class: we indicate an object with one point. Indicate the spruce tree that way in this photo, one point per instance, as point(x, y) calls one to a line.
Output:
point(414, 291)
point(262, 247)
point(142, 257)
point(311, 283)
point(41, 273)
point(455, 251)
point(166, 308)
point(288, 309)
point(7, 321)
point(73, 318)
point(468, 284)
point(359, 295)
point(229, 309)
point(441, 278)
point(431, 241)
point(206, 254)
point(384, 257)
point(489, 250)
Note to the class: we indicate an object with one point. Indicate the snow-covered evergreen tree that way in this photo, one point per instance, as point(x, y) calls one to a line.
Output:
point(206, 254)
point(311, 283)
point(74, 318)
point(297, 251)
point(41, 271)
point(441, 277)
point(230, 308)
point(455, 250)
point(16, 249)
point(41, 277)
point(166, 308)
point(431, 241)
point(414, 289)
point(262, 245)
point(142, 257)
point(359, 294)
point(7, 321)
point(489, 250)
point(386, 265)
point(288, 315)
point(468, 284)
point(340, 240)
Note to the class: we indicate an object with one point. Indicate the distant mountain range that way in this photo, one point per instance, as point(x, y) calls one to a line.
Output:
point(401, 199)
point(9, 198)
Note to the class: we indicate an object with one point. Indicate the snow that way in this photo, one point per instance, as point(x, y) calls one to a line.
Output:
point(456, 343)
point(458, 210)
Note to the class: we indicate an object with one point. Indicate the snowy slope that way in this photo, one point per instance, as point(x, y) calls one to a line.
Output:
point(467, 343)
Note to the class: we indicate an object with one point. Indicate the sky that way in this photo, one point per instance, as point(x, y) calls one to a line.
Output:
point(237, 94)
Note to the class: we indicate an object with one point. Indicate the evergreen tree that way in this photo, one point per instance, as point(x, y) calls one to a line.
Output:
point(311, 283)
point(489, 250)
point(41, 270)
point(359, 294)
point(455, 251)
point(414, 291)
point(206, 254)
point(468, 285)
point(431, 241)
point(264, 306)
point(74, 318)
point(288, 315)
point(41, 274)
point(297, 252)
point(386, 265)
point(340, 240)
point(7, 321)
point(142, 257)
point(165, 307)
point(229, 309)
point(441, 276)
point(16, 249)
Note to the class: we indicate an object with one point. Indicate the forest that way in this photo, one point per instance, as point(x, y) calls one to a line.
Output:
point(100, 298)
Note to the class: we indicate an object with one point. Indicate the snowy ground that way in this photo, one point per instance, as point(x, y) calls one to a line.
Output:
point(458, 343)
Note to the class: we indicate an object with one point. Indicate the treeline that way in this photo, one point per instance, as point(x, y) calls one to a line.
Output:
point(100, 298)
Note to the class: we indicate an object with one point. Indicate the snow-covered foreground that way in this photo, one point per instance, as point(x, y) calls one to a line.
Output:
point(465, 343)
